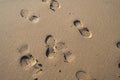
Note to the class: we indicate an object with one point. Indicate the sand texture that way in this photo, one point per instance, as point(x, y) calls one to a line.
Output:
point(59, 39)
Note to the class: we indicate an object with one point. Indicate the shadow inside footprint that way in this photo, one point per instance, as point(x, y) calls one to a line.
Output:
point(50, 53)
point(38, 66)
point(23, 59)
point(76, 23)
point(36, 79)
point(60, 71)
point(119, 65)
point(47, 52)
point(47, 38)
point(118, 45)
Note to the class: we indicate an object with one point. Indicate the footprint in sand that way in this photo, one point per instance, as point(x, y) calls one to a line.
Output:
point(60, 46)
point(68, 57)
point(24, 13)
point(44, 0)
point(50, 41)
point(54, 5)
point(118, 44)
point(118, 76)
point(28, 61)
point(119, 65)
point(36, 79)
point(84, 31)
point(78, 23)
point(37, 68)
point(23, 48)
point(50, 52)
point(53, 48)
point(34, 19)
point(82, 75)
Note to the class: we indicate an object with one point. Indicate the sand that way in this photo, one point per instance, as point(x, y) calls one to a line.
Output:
point(59, 40)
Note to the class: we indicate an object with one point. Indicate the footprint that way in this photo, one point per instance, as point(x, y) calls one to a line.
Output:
point(24, 49)
point(60, 46)
point(119, 65)
point(36, 79)
point(118, 44)
point(54, 5)
point(50, 53)
point(27, 61)
point(37, 68)
point(85, 32)
point(24, 13)
point(77, 23)
point(82, 75)
point(60, 71)
point(68, 56)
point(34, 19)
point(50, 41)
point(45, 0)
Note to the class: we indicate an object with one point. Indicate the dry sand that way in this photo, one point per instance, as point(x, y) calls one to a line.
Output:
point(59, 39)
